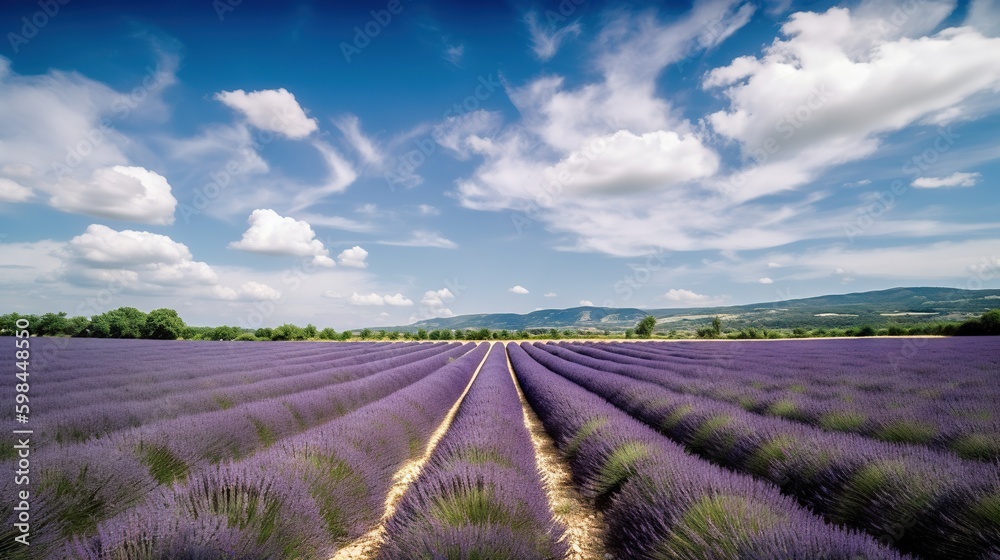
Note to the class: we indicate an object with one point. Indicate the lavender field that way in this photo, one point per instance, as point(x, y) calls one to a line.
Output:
point(827, 449)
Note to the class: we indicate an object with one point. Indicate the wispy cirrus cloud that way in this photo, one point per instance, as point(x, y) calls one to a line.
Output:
point(956, 179)
point(547, 38)
point(423, 238)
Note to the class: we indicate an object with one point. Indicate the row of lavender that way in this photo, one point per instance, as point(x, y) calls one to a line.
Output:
point(302, 498)
point(660, 502)
point(149, 372)
point(66, 411)
point(938, 393)
point(96, 364)
point(251, 488)
point(95, 418)
point(78, 485)
point(480, 494)
point(925, 502)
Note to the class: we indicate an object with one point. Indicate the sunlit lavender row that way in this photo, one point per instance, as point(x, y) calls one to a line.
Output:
point(97, 416)
point(80, 372)
point(933, 392)
point(291, 454)
point(923, 501)
point(480, 495)
point(302, 498)
point(659, 502)
point(83, 483)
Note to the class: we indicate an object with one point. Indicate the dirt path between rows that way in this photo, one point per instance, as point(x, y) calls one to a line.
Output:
point(584, 524)
point(366, 546)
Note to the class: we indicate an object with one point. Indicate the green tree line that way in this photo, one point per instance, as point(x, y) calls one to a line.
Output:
point(166, 324)
point(986, 325)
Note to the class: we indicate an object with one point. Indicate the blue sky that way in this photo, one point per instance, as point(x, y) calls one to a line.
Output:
point(251, 164)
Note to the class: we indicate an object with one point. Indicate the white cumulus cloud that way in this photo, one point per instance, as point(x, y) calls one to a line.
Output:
point(520, 290)
point(353, 257)
point(838, 81)
point(104, 247)
point(434, 303)
point(398, 300)
point(147, 263)
point(273, 234)
point(249, 291)
point(367, 299)
point(626, 162)
point(374, 299)
point(120, 192)
point(275, 110)
point(59, 135)
point(689, 298)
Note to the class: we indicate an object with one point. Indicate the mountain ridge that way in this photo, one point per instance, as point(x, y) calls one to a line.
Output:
point(902, 305)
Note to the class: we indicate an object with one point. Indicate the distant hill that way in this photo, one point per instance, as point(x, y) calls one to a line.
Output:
point(599, 318)
point(896, 305)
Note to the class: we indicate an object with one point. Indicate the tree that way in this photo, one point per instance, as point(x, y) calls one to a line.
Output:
point(199, 333)
point(309, 331)
point(866, 330)
point(422, 334)
point(713, 331)
point(51, 324)
point(163, 324)
point(988, 324)
point(629, 333)
point(393, 335)
point(346, 335)
point(645, 327)
point(366, 333)
point(8, 322)
point(328, 334)
point(77, 326)
point(226, 332)
point(288, 331)
point(481, 334)
point(263, 332)
point(124, 322)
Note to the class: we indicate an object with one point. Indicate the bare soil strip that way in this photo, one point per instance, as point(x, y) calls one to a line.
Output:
point(366, 546)
point(584, 524)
